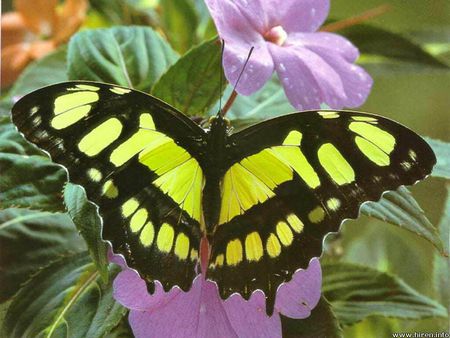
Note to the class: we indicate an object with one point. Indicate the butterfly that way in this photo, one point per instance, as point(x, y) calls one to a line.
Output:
point(256, 203)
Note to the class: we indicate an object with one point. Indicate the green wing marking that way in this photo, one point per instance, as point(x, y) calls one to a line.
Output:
point(138, 159)
point(292, 180)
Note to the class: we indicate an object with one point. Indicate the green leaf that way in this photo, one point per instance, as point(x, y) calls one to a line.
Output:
point(3, 310)
point(180, 22)
point(356, 292)
point(387, 51)
point(441, 266)
point(48, 70)
point(376, 327)
point(123, 330)
point(12, 142)
point(87, 220)
point(29, 241)
point(66, 299)
point(32, 182)
point(193, 84)
point(388, 248)
point(400, 208)
point(321, 323)
point(5, 108)
point(134, 57)
point(124, 12)
point(268, 102)
point(434, 40)
point(206, 29)
point(442, 151)
point(28, 179)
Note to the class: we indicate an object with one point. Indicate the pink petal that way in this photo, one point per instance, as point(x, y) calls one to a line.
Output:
point(115, 258)
point(307, 79)
point(249, 318)
point(301, 15)
point(232, 21)
point(241, 25)
point(197, 313)
point(130, 290)
point(254, 11)
point(297, 298)
point(258, 71)
point(327, 43)
point(357, 82)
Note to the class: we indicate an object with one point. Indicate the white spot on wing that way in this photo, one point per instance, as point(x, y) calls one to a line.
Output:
point(412, 154)
point(406, 165)
point(37, 120)
point(333, 204)
point(120, 91)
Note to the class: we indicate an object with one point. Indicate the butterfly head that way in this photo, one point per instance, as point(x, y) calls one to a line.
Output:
point(219, 122)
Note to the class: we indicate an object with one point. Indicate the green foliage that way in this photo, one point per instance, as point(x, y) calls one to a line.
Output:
point(400, 208)
point(29, 241)
point(133, 57)
point(375, 244)
point(321, 323)
point(441, 268)
point(356, 292)
point(31, 182)
point(193, 83)
point(268, 102)
point(123, 330)
point(5, 107)
point(206, 28)
point(124, 12)
point(48, 70)
point(11, 142)
point(442, 151)
point(85, 216)
point(28, 179)
point(179, 20)
point(382, 50)
point(64, 299)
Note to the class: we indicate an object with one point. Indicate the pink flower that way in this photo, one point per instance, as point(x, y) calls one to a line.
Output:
point(201, 312)
point(313, 67)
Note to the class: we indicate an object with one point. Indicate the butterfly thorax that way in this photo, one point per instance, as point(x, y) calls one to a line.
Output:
point(216, 151)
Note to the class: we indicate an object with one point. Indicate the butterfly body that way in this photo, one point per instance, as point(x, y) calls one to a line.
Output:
point(215, 151)
point(264, 197)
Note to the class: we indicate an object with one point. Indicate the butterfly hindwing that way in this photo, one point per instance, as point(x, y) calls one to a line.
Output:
point(291, 180)
point(138, 160)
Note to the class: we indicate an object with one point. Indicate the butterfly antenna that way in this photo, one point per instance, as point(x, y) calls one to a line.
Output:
point(243, 68)
point(221, 76)
point(234, 93)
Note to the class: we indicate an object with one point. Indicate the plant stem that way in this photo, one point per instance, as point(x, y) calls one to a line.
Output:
point(354, 20)
point(229, 103)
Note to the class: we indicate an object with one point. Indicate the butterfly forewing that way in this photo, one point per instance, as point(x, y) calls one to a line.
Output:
point(291, 180)
point(137, 158)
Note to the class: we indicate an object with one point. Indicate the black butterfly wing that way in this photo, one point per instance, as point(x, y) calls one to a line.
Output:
point(138, 160)
point(291, 180)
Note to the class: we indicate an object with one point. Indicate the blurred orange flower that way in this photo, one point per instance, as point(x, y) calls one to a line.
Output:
point(34, 30)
